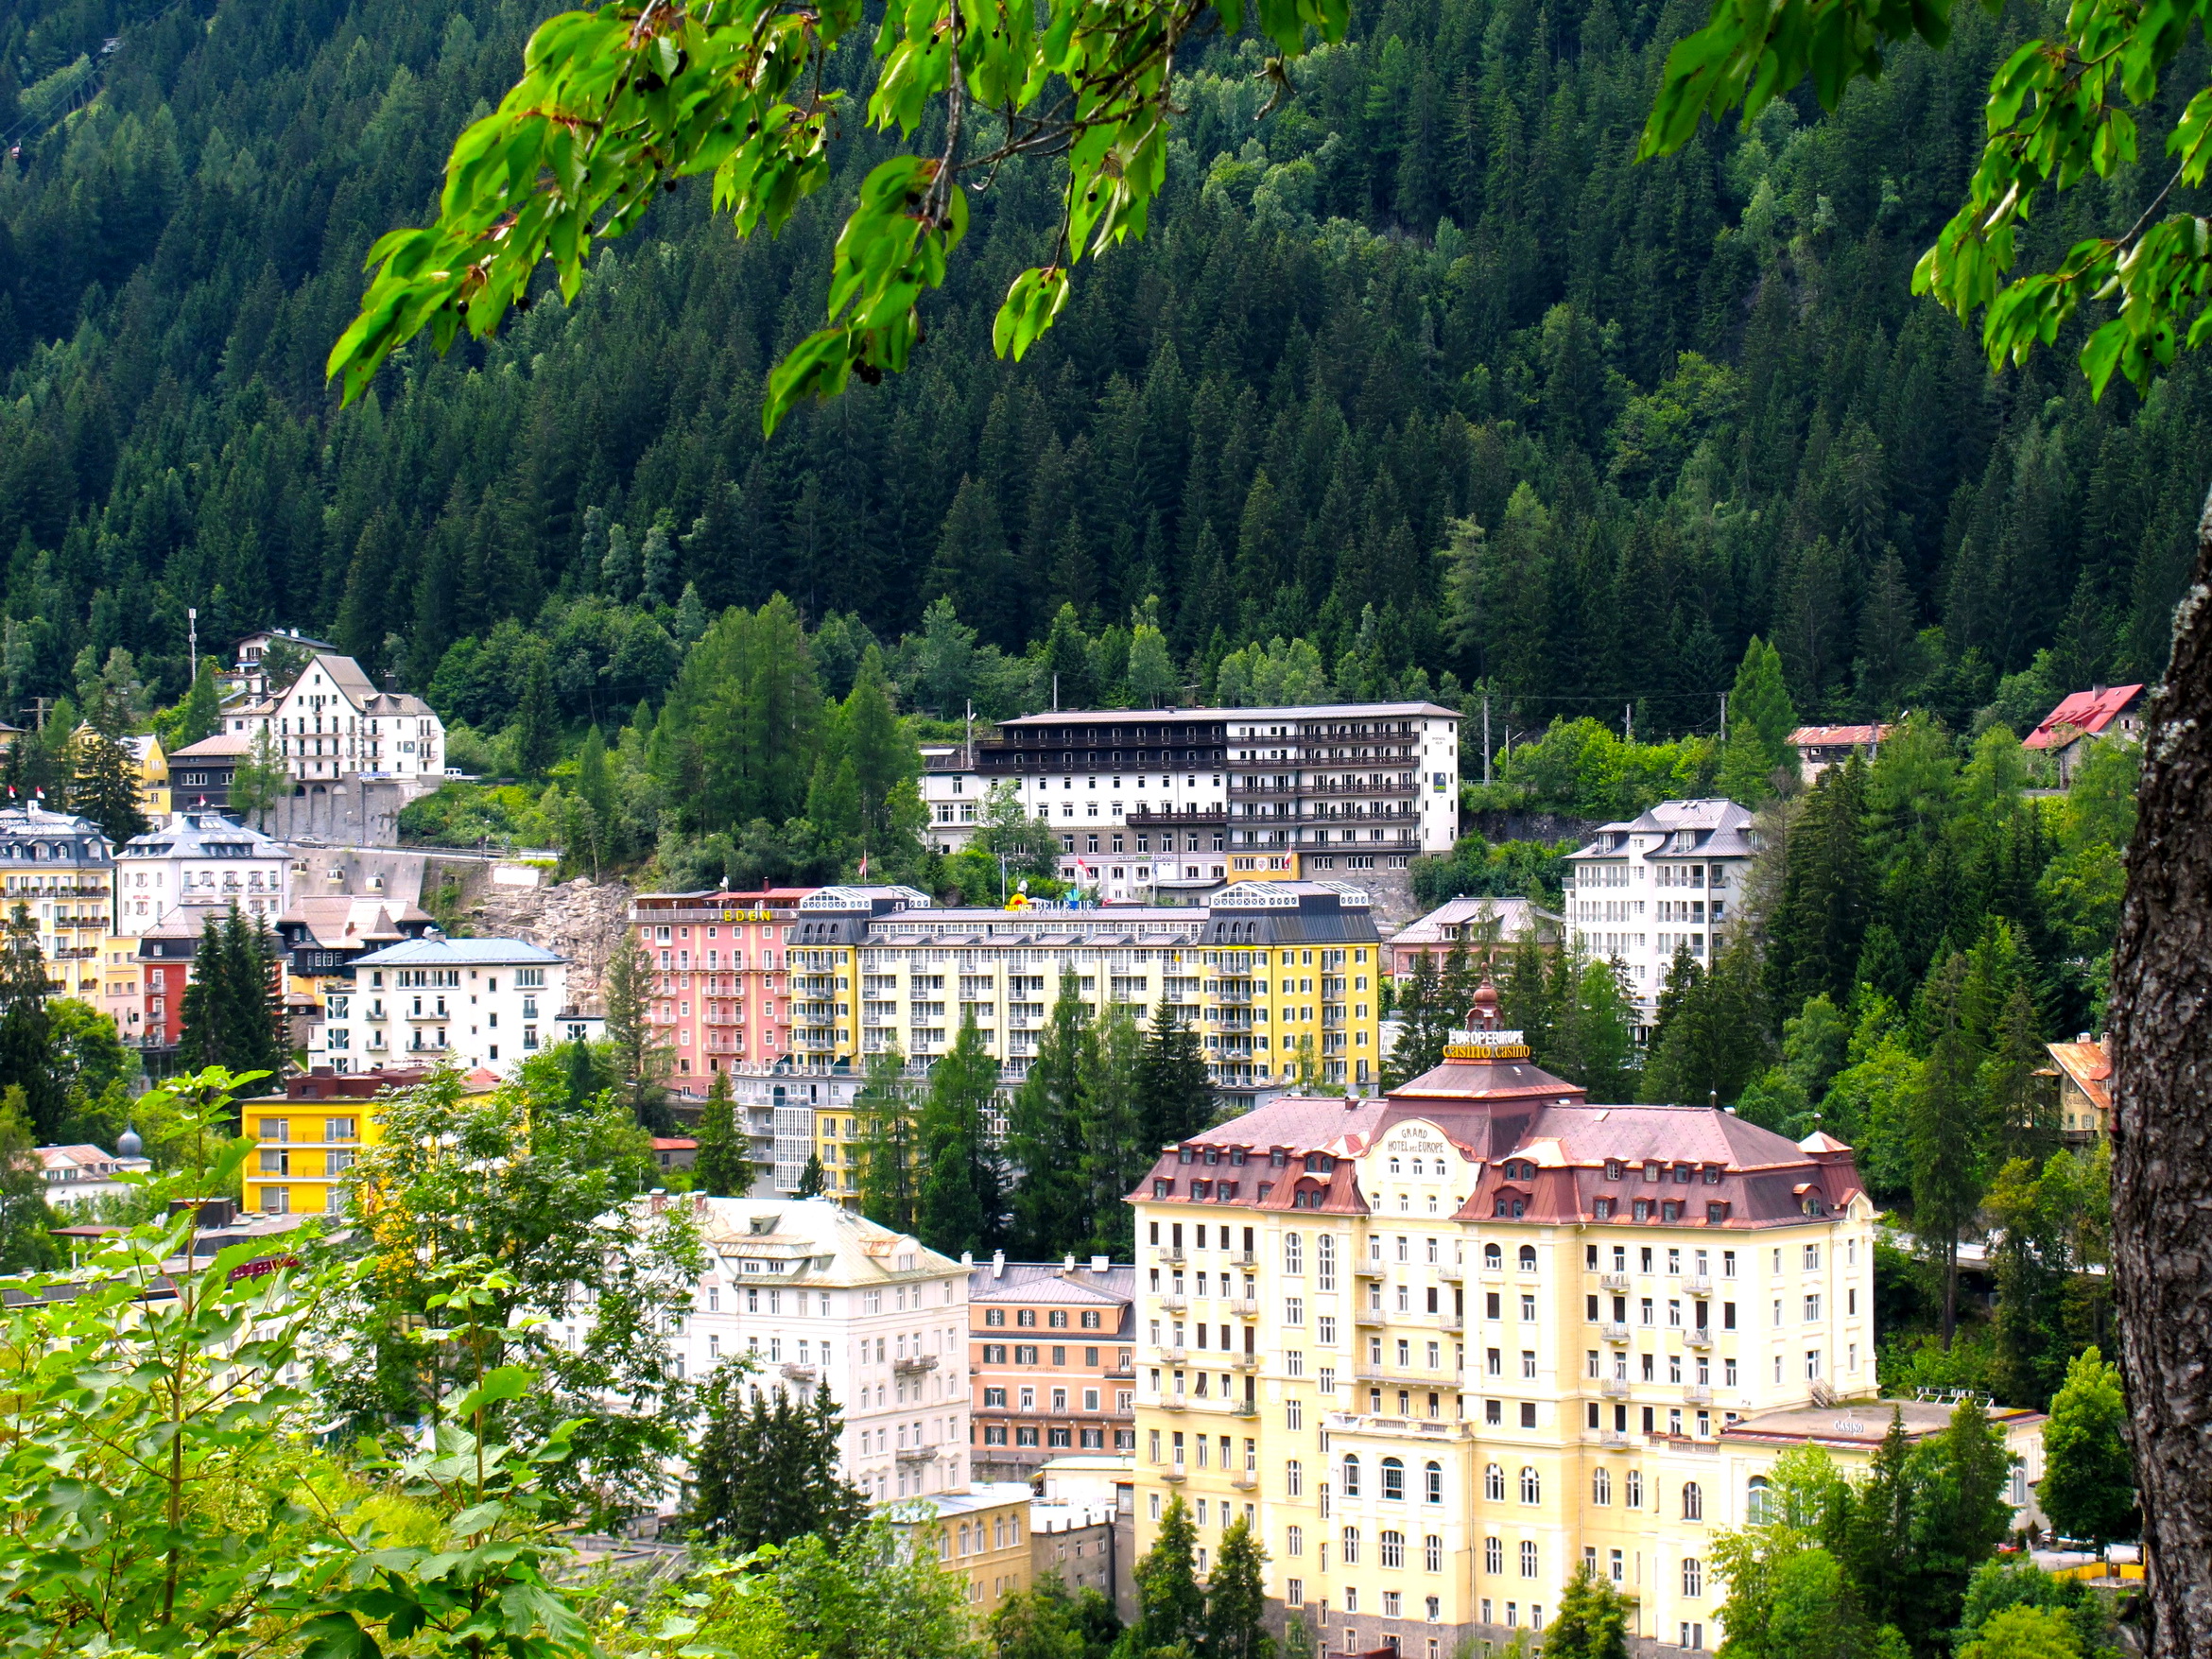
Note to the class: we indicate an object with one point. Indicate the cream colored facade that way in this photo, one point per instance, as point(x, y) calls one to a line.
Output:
point(1434, 1411)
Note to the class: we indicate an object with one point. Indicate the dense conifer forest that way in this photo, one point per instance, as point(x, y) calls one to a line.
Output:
point(1418, 370)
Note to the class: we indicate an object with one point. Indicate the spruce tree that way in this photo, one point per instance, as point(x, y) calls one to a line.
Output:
point(885, 1106)
point(1525, 994)
point(1819, 928)
point(1236, 1599)
point(1044, 1136)
point(1174, 1097)
point(1760, 719)
point(723, 1167)
point(535, 730)
point(1946, 1125)
point(104, 786)
point(813, 1180)
point(1427, 1024)
point(1591, 1622)
point(959, 1200)
point(200, 1041)
point(28, 1058)
point(1170, 1606)
point(1116, 1154)
point(768, 1469)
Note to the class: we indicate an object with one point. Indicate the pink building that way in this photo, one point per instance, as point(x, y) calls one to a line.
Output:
point(721, 999)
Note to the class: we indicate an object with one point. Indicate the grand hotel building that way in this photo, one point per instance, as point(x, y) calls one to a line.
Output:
point(1446, 1346)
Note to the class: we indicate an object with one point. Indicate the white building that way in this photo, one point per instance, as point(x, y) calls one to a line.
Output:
point(333, 723)
point(76, 1175)
point(1670, 878)
point(465, 1002)
point(825, 1299)
point(200, 856)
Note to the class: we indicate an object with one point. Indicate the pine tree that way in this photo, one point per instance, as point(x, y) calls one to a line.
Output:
point(813, 1180)
point(1525, 994)
point(28, 1060)
point(769, 1467)
point(885, 1106)
point(1593, 1042)
point(1946, 1126)
point(1760, 719)
point(723, 1167)
point(1715, 1038)
point(201, 713)
point(1170, 1606)
point(1820, 927)
point(1236, 1599)
point(959, 1201)
point(200, 1039)
point(1174, 1097)
point(1044, 1136)
point(535, 730)
point(26, 1239)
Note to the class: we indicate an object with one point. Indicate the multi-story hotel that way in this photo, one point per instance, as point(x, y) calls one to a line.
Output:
point(61, 869)
point(825, 1299)
point(1051, 1361)
point(720, 1000)
point(308, 1138)
point(1444, 1347)
point(1279, 977)
point(1158, 803)
point(204, 857)
point(435, 1001)
point(1670, 878)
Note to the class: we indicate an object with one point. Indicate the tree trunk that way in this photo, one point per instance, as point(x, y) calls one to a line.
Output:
point(2162, 1132)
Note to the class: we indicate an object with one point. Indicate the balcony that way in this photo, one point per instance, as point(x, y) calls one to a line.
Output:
point(1700, 1338)
point(433, 1016)
point(914, 1365)
point(1244, 1363)
point(1170, 1356)
point(1449, 1321)
point(1174, 1402)
point(1245, 1481)
point(1698, 1394)
point(1370, 1269)
point(1172, 1257)
point(1244, 1259)
point(1453, 1273)
point(1174, 1473)
point(1615, 1332)
point(1698, 1287)
point(1613, 1281)
point(1371, 1316)
point(1191, 817)
point(1175, 1303)
point(802, 1373)
point(1612, 1439)
point(1614, 1388)
point(1244, 1409)
point(916, 1454)
point(1245, 1308)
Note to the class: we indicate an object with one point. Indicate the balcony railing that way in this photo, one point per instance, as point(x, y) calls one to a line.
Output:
point(1614, 1388)
point(1613, 1281)
point(1698, 1394)
point(916, 1454)
point(1700, 1338)
point(1698, 1287)
point(915, 1364)
point(1175, 1303)
point(1613, 1333)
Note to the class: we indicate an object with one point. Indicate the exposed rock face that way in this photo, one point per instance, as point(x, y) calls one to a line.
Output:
point(582, 920)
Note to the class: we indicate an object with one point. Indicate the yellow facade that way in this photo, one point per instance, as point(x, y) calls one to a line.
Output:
point(838, 1136)
point(302, 1150)
point(1433, 1422)
point(120, 996)
point(981, 1535)
point(1315, 1007)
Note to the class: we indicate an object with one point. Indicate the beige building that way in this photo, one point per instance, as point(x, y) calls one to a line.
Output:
point(982, 1535)
point(1444, 1347)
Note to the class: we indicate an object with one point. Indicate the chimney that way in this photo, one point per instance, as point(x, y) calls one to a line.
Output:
point(1067, 1263)
point(1100, 1263)
point(998, 1264)
point(967, 1258)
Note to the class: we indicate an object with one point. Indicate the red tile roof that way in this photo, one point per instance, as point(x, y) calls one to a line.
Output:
point(2085, 711)
point(1835, 736)
point(2090, 1068)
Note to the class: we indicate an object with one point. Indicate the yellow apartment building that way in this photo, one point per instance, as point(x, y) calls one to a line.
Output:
point(308, 1138)
point(1446, 1346)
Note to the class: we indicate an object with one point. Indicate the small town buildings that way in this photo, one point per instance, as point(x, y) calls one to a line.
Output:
point(198, 857)
point(2082, 1070)
point(333, 722)
point(722, 998)
point(307, 1137)
point(153, 774)
point(201, 774)
point(1051, 1361)
point(980, 1535)
point(164, 960)
point(825, 1299)
point(435, 1001)
point(1822, 747)
point(1669, 879)
point(61, 869)
point(1280, 977)
point(76, 1175)
point(1486, 928)
point(2083, 717)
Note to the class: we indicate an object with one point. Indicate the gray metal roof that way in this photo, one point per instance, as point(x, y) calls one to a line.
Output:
point(448, 953)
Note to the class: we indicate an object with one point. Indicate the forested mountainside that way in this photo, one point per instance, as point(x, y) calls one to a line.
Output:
point(1419, 368)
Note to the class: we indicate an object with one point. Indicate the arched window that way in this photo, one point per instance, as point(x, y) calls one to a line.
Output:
point(1492, 1256)
point(1394, 1480)
point(1293, 1253)
point(1693, 1576)
point(1351, 1474)
point(1351, 1546)
point(1601, 1487)
point(1432, 1476)
point(1294, 1476)
point(1527, 1558)
point(1393, 1549)
point(1531, 1485)
point(1294, 1540)
point(1693, 1502)
point(1324, 1255)
point(1527, 1258)
point(1758, 1508)
point(1635, 1489)
point(1494, 1485)
point(1432, 1553)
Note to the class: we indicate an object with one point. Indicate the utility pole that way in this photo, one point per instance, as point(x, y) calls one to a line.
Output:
point(192, 636)
point(1724, 716)
point(971, 744)
point(1486, 740)
point(1055, 691)
point(1628, 723)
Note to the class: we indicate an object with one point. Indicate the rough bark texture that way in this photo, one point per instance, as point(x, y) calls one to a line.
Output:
point(2162, 1162)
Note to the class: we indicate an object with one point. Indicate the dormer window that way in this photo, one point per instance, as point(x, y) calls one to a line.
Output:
point(1612, 1169)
